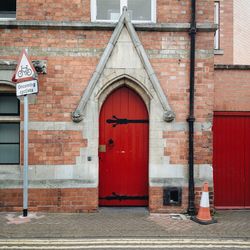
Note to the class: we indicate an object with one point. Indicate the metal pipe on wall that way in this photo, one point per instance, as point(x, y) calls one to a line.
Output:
point(191, 118)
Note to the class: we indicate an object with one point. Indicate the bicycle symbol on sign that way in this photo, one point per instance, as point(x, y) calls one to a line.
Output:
point(24, 71)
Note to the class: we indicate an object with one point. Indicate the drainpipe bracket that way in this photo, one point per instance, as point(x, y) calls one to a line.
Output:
point(193, 29)
point(191, 119)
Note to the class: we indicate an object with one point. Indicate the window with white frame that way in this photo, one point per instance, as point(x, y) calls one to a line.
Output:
point(140, 11)
point(217, 22)
point(9, 129)
point(8, 9)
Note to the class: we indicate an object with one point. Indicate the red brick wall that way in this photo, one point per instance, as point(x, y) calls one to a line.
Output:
point(156, 200)
point(54, 147)
point(203, 147)
point(177, 146)
point(61, 89)
point(51, 200)
point(84, 200)
point(72, 56)
point(174, 73)
point(68, 72)
point(56, 10)
point(204, 11)
point(174, 77)
point(50, 39)
point(173, 11)
point(79, 10)
point(67, 76)
point(232, 90)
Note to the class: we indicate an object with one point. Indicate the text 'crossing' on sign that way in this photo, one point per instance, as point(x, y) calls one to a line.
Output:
point(27, 88)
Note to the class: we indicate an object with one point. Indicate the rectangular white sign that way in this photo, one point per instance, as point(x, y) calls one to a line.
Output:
point(27, 88)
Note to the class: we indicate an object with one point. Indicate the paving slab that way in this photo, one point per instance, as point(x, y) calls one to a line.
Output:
point(122, 222)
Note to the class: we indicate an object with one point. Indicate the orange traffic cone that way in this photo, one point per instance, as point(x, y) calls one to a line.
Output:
point(204, 216)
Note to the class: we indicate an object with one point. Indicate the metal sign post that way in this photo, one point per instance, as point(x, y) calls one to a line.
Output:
point(26, 85)
point(25, 155)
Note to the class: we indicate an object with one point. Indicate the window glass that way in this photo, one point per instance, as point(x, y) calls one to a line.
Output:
point(9, 153)
point(111, 10)
point(9, 104)
point(7, 8)
point(108, 9)
point(9, 132)
point(140, 9)
point(9, 143)
point(217, 22)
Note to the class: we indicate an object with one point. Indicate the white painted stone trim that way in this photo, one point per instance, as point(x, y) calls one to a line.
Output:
point(177, 174)
point(174, 126)
point(124, 21)
point(85, 175)
point(47, 176)
point(51, 126)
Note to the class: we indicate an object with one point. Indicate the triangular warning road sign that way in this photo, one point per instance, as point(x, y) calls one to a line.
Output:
point(25, 70)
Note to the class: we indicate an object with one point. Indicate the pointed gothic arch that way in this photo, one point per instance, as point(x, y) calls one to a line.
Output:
point(124, 22)
point(124, 80)
point(124, 62)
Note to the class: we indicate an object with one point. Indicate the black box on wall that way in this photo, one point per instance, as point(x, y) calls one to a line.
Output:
point(172, 196)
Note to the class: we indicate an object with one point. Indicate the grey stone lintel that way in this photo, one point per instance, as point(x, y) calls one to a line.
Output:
point(231, 67)
point(219, 52)
point(124, 20)
point(74, 25)
point(39, 65)
point(58, 183)
point(8, 65)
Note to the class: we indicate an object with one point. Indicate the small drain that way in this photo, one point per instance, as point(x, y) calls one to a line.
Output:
point(178, 216)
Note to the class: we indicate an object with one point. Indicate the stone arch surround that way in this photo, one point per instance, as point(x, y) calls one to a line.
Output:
point(157, 159)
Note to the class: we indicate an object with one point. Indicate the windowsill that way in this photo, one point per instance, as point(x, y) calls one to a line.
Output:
point(132, 21)
point(9, 118)
point(8, 164)
point(7, 18)
point(218, 51)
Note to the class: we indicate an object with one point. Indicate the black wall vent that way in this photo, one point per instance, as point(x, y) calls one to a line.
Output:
point(172, 196)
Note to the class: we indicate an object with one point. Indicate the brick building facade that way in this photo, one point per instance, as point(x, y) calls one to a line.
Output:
point(86, 56)
point(231, 107)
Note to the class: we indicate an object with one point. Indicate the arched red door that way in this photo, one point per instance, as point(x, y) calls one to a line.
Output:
point(123, 150)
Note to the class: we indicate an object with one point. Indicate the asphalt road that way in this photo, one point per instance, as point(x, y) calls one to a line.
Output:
point(124, 243)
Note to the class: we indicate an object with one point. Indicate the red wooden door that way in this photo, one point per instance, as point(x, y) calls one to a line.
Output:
point(231, 159)
point(123, 150)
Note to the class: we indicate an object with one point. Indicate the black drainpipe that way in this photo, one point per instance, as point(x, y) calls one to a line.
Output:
point(191, 118)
